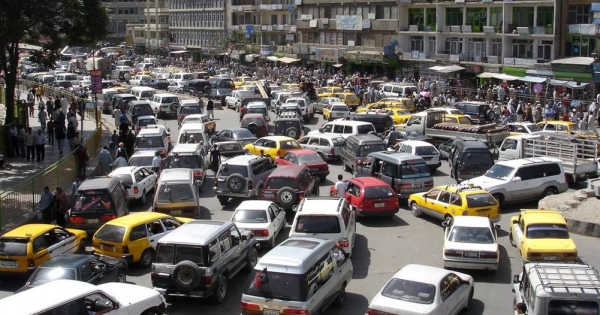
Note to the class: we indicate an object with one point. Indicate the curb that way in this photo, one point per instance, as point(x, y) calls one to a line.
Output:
point(572, 206)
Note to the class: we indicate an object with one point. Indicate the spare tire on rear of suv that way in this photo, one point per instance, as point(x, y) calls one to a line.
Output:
point(186, 275)
point(292, 133)
point(174, 106)
point(286, 197)
point(253, 128)
point(236, 183)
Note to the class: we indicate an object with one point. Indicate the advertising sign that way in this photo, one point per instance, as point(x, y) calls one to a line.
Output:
point(349, 22)
point(96, 81)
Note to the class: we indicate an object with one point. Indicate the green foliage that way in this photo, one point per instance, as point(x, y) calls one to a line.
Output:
point(232, 43)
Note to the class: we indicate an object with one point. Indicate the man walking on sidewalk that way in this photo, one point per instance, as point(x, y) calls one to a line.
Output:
point(82, 158)
point(50, 127)
point(46, 205)
point(30, 143)
point(40, 143)
point(43, 118)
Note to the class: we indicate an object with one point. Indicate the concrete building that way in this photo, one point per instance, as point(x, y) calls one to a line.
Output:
point(153, 36)
point(122, 13)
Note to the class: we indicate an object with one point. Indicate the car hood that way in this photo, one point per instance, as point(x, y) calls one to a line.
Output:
point(130, 294)
point(475, 247)
point(485, 182)
point(393, 306)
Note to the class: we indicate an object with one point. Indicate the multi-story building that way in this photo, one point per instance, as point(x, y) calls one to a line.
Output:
point(122, 13)
point(153, 36)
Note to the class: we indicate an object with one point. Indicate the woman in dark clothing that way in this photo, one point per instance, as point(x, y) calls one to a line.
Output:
point(215, 159)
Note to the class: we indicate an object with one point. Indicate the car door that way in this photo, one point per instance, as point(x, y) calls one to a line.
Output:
point(352, 194)
point(349, 218)
point(518, 233)
point(430, 202)
point(230, 249)
point(441, 207)
point(149, 179)
point(451, 294)
point(139, 180)
point(521, 189)
point(139, 241)
point(279, 218)
point(66, 243)
point(94, 272)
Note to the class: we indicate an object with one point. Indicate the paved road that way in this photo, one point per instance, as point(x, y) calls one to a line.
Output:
point(382, 247)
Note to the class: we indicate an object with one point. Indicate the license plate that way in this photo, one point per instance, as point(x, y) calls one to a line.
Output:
point(270, 312)
point(417, 185)
point(427, 159)
point(107, 248)
point(8, 263)
point(551, 258)
point(92, 221)
point(476, 172)
point(380, 205)
point(471, 254)
point(176, 212)
point(269, 195)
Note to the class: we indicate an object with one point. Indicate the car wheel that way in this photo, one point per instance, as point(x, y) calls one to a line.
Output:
point(236, 183)
point(550, 191)
point(153, 311)
point(186, 275)
point(346, 168)
point(286, 197)
point(221, 292)
point(414, 208)
point(143, 199)
point(292, 133)
point(121, 276)
point(252, 258)
point(82, 246)
point(223, 200)
point(341, 298)
point(146, 258)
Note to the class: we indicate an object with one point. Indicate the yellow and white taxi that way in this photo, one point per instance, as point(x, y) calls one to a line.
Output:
point(273, 146)
point(239, 81)
point(25, 248)
point(394, 102)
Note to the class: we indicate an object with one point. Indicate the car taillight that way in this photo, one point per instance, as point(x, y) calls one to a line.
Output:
point(198, 174)
point(250, 185)
point(263, 128)
point(400, 187)
point(293, 311)
point(76, 219)
point(152, 276)
point(361, 205)
point(429, 183)
point(168, 138)
point(136, 190)
point(493, 255)
point(278, 153)
point(332, 151)
point(108, 217)
point(30, 262)
point(138, 128)
point(452, 253)
point(180, 117)
point(301, 196)
point(207, 281)
point(261, 232)
point(125, 249)
point(250, 308)
point(344, 242)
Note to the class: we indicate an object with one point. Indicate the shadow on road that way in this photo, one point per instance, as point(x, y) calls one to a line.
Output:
point(354, 304)
point(361, 257)
point(477, 307)
point(502, 275)
point(204, 214)
point(377, 222)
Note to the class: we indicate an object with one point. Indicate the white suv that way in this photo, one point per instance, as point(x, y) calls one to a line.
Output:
point(523, 179)
point(327, 218)
point(306, 107)
point(164, 104)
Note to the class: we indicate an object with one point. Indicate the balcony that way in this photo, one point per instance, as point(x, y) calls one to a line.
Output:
point(584, 29)
point(519, 62)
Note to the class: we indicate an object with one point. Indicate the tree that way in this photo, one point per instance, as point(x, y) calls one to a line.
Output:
point(230, 44)
point(51, 24)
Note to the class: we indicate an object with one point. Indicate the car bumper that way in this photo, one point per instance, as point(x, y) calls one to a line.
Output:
point(320, 173)
point(265, 241)
point(470, 264)
point(191, 294)
point(221, 193)
point(332, 157)
point(376, 213)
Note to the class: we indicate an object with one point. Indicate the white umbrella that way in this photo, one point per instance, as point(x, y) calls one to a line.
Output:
point(505, 77)
point(272, 58)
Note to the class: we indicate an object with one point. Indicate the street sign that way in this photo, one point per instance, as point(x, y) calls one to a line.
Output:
point(249, 29)
point(537, 88)
point(96, 81)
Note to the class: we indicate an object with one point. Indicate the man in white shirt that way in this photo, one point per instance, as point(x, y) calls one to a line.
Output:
point(340, 186)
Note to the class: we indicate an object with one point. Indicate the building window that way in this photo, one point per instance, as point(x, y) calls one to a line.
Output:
point(544, 51)
point(431, 47)
point(274, 19)
point(476, 17)
point(579, 14)
point(522, 48)
point(416, 43)
point(545, 17)
point(523, 16)
point(497, 48)
point(579, 46)
point(495, 17)
point(430, 19)
point(476, 49)
point(416, 17)
point(378, 11)
point(284, 19)
point(454, 16)
point(327, 12)
point(453, 45)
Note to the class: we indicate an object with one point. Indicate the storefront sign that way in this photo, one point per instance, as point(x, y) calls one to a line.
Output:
point(326, 54)
point(266, 50)
point(571, 68)
point(96, 81)
point(174, 46)
point(349, 22)
point(371, 56)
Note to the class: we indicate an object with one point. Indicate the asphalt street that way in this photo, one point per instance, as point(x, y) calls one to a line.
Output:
point(382, 247)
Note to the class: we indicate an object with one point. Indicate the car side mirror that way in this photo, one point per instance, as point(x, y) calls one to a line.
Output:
point(497, 226)
point(244, 237)
point(295, 208)
point(321, 130)
point(445, 224)
point(516, 279)
point(517, 179)
point(515, 221)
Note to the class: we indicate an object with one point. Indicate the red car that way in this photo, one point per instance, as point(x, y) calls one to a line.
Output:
point(370, 196)
point(288, 185)
point(310, 158)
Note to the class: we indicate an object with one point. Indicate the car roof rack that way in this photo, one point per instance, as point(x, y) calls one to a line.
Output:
point(574, 278)
point(464, 187)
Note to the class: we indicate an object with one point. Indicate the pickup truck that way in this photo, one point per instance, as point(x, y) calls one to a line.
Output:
point(578, 155)
point(431, 123)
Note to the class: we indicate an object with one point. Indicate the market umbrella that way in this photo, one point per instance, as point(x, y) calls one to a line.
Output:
point(426, 94)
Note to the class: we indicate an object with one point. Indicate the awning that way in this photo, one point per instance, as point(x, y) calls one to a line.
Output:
point(505, 77)
point(547, 73)
point(272, 58)
point(558, 82)
point(586, 61)
point(532, 79)
point(436, 68)
point(487, 75)
point(179, 52)
point(576, 86)
point(450, 69)
point(337, 65)
point(288, 60)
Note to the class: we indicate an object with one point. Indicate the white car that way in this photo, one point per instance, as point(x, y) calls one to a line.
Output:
point(78, 297)
point(426, 150)
point(328, 146)
point(265, 218)
point(138, 181)
point(143, 121)
point(176, 87)
point(336, 110)
point(419, 289)
point(470, 243)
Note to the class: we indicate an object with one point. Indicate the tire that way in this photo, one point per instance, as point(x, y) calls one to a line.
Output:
point(223, 200)
point(186, 275)
point(152, 311)
point(252, 258)
point(346, 168)
point(414, 208)
point(143, 199)
point(286, 197)
point(174, 107)
point(549, 192)
point(146, 258)
point(121, 276)
point(236, 183)
point(82, 245)
point(341, 298)
point(292, 133)
point(490, 115)
point(469, 300)
point(306, 120)
point(221, 292)
point(500, 199)
point(253, 128)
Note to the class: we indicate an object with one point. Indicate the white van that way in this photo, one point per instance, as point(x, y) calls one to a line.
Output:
point(164, 104)
point(70, 77)
point(346, 128)
point(181, 76)
point(143, 93)
point(153, 61)
point(398, 90)
point(195, 129)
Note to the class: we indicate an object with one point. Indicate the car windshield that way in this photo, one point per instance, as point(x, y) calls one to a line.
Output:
point(110, 233)
point(175, 192)
point(276, 285)
point(378, 192)
point(146, 94)
point(89, 201)
point(478, 158)
point(227, 170)
point(198, 136)
point(127, 179)
point(467, 234)
point(309, 158)
point(145, 122)
point(365, 129)
point(142, 110)
point(140, 161)
point(480, 200)
point(534, 128)
point(243, 133)
point(184, 161)
point(250, 216)
point(499, 172)
point(339, 108)
point(187, 110)
point(288, 144)
point(365, 150)
point(254, 110)
point(425, 150)
point(169, 100)
point(149, 142)
point(169, 254)
point(43, 275)
point(13, 246)
point(414, 170)
point(280, 182)
point(547, 231)
point(411, 291)
point(318, 224)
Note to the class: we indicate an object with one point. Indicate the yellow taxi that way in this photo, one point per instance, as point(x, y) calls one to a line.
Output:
point(290, 86)
point(350, 99)
point(399, 115)
point(134, 236)
point(249, 86)
point(272, 146)
point(541, 235)
point(448, 201)
point(329, 91)
point(28, 246)
point(239, 81)
point(559, 126)
point(393, 102)
point(458, 119)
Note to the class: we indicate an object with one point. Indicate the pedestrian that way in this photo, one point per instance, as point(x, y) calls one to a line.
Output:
point(30, 143)
point(22, 133)
point(50, 128)
point(215, 159)
point(64, 105)
point(18, 93)
point(521, 308)
point(201, 103)
point(592, 113)
point(121, 151)
point(114, 140)
point(40, 143)
point(43, 118)
point(62, 206)
point(156, 162)
point(119, 162)
point(38, 92)
point(130, 142)
point(46, 205)
point(82, 159)
point(210, 109)
point(60, 131)
point(123, 129)
point(14, 140)
point(30, 101)
point(75, 186)
point(104, 161)
point(340, 187)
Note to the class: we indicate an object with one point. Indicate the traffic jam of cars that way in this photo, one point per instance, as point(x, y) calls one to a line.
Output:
point(271, 170)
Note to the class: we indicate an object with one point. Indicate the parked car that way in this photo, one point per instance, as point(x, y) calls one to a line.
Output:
point(273, 146)
point(426, 150)
point(229, 149)
point(187, 107)
point(336, 111)
point(470, 242)
point(242, 177)
point(264, 218)
point(209, 124)
point(369, 196)
point(316, 165)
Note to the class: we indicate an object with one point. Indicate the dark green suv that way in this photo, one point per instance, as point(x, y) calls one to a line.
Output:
point(288, 124)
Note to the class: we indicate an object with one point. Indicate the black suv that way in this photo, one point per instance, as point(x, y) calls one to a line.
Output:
point(200, 257)
point(381, 122)
point(136, 109)
point(197, 87)
point(288, 124)
point(469, 159)
point(480, 112)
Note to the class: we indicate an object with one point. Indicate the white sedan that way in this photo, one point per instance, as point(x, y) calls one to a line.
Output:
point(176, 87)
point(470, 243)
point(138, 181)
point(265, 218)
point(420, 289)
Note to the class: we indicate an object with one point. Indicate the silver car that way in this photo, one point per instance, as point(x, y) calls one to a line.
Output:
point(324, 101)
point(328, 146)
